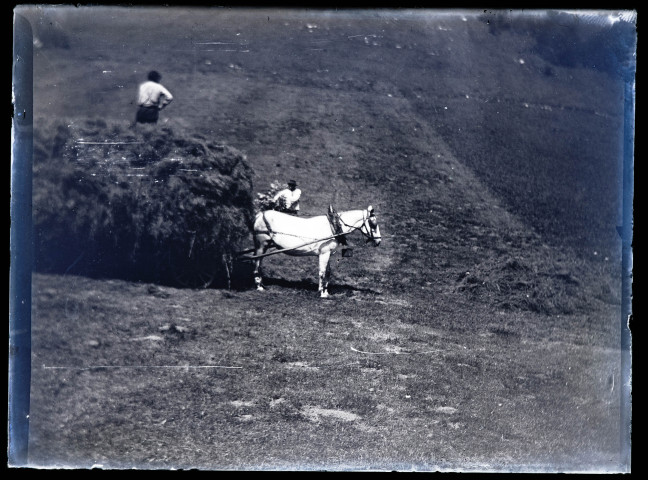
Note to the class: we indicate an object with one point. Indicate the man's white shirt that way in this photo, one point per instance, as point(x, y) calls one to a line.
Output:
point(152, 94)
point(291, 198)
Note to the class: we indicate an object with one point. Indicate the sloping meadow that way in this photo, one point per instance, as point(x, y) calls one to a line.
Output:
point(142, 203)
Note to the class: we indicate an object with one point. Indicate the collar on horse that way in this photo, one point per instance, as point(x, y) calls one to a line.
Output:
point(336, 225)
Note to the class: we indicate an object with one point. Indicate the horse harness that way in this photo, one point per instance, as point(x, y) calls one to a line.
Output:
point(369, 236)
point(336, 223)
point(272, 233)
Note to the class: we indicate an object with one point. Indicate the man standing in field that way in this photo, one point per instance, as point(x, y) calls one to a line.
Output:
point(152, 97)
point(287, 200)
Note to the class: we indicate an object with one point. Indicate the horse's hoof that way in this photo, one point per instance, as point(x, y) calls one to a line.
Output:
point(260, 289)
point(324, 295)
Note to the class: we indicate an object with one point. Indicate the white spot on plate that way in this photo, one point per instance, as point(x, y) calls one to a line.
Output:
point(447, 410)
point(315, 413)
point(155, 338)
point(241, 403)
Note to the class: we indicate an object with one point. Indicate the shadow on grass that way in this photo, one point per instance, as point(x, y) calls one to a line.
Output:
point(311, 286)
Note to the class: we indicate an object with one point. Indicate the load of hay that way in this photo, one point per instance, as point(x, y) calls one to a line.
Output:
point(147, 203)
point(265, 200)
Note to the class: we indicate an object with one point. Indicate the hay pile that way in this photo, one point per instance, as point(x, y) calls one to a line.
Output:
point(149, 203)
point(265, 200)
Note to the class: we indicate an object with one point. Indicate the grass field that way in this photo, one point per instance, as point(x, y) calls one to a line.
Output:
point(483, 334)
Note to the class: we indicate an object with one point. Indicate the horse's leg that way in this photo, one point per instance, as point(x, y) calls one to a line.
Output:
point(260, 247)
point(324, 273)
point(257, 273)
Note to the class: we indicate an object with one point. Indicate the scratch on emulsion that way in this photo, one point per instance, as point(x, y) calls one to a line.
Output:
point(83, 142)
point(372, 36)
point(97, 367)
point(216, 43)
point(370, 353)
point(396, 352)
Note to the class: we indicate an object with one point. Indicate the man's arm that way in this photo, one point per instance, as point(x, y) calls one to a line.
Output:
point(277, 196)
point(165, 97)
point(296, 195)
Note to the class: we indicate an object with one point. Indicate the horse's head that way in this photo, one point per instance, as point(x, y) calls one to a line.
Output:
point(370, 228)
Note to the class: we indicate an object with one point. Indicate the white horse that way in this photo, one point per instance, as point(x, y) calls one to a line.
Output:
point(309, 236)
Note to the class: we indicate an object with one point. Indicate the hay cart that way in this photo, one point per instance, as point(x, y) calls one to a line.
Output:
point(200, 268)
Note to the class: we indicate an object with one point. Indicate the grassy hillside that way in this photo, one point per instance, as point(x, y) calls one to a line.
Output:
point(470, 167)
point(482, 334)
point(543, 133)
point(122, 377)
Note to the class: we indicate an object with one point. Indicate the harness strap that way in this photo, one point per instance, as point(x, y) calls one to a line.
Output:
point(335, 222)
point(267, 224)
point(336, 225)
point(368, 234)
